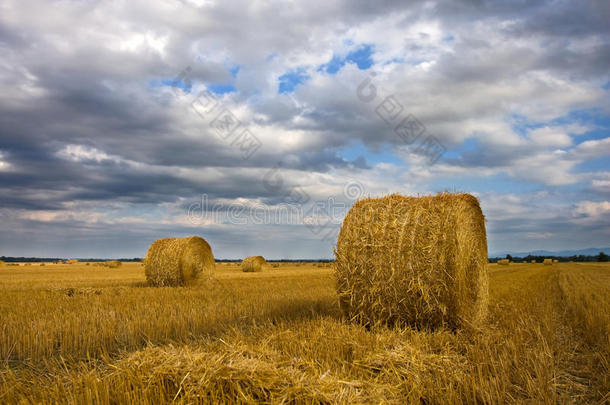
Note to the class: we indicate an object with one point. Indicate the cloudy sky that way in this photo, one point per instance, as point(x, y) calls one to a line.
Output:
point(256, 124)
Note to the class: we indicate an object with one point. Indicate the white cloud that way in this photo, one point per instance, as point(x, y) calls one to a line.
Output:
point(592, 210)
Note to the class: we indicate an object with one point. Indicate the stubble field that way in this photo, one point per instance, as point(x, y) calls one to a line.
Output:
point(87, 334)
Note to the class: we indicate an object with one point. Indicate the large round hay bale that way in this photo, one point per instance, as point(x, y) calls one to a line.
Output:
point(178, 261)
point(419, 261)
point(503, 262)
point(253, 263)
point(548, 262)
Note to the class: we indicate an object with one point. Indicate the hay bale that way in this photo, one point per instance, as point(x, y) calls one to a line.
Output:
point(504, 262)
point(413, 261)
point(533, 261)
point(253, 264)
point(548, 262)
point(555, 260)
point(178, 261)
point(113, 264)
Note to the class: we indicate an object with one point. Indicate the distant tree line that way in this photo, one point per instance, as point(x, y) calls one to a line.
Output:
point(139, 259)
point(601, 257)
point(9, 259)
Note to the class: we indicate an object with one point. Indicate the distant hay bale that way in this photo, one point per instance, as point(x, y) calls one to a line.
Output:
point(87, 264)
point(42, 264)
point(178, 261)
point(419, 261)
point(72, 261)
point(253, 264)
point(555, 260)
point(504, 262)
point(548, 262)
point(533, 261)
point(113, 264)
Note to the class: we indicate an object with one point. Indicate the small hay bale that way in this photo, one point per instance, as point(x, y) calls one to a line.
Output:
point(178, 261)
point(533, 261)
point(72, 261)
point(504, 262)
point(419, 261)
point(555, 260)
point(253, 264)
point(113, 264)
point(548, 262)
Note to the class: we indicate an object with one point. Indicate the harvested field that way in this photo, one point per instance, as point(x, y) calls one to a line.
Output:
point(76, 334)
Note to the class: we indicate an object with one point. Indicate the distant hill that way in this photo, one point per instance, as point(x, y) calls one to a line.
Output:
point(564, 253)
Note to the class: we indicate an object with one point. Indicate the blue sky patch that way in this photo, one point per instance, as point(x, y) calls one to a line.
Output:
point(221, 88)
point(234, 70)
point(184, 85)
point(469, 145)
point(361, 56)
point(288, 81)
point(501, 183)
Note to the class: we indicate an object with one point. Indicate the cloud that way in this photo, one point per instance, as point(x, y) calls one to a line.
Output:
point(591, 211)
point(90, 114)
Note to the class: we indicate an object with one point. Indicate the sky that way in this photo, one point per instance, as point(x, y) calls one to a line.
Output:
point(257, 124)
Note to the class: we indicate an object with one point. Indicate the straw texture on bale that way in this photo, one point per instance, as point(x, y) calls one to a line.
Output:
point(419, 261)
point(548, 262)
point(555, 260)
point(253, 264)
point(178, 261)
point(504, 262)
